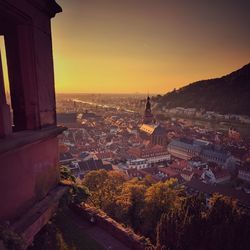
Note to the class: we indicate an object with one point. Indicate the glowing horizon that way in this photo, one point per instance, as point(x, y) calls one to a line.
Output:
point(149, 46)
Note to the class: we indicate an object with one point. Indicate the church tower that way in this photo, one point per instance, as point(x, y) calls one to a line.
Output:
point(148, 116)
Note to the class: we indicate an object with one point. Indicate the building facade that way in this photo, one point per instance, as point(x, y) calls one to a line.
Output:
point(244, 173)
point(186, 149)
point(152, 155)
point(137, 163)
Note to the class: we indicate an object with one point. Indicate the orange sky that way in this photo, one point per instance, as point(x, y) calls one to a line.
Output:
point(148, 46)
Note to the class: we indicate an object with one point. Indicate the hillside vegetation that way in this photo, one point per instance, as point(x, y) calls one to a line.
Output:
point(229, 94)
point(167, 215)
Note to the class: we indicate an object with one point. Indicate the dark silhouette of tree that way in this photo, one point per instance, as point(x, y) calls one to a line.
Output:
point(194, 226)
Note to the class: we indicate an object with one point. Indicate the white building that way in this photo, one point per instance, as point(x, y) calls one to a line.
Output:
point(157, 158)
point(138, 163)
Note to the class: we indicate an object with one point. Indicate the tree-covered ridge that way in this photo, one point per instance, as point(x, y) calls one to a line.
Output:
point(228, 94)
point(166, 214)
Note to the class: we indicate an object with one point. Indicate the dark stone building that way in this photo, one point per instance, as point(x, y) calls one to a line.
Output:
point(29, 168)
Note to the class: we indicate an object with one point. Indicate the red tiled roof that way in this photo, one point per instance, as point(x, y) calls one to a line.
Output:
point(224, 190)
point(169, 172)
point(197, 171)
point(187, 172)
point(178, 166)
point(103, 155)
point(221, 173)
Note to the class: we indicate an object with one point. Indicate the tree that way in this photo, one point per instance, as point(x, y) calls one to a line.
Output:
point(223, 209)
point(131, 202)
point(160, 198)
point(94, 181)
point(104, 187)
point(111, 190)
point(195, 226)
point(221, 220)
point(182, 228)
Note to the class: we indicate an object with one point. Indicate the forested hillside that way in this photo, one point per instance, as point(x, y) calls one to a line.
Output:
point(228, 94)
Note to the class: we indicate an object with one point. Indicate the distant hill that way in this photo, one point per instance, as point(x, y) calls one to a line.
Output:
point(228, 94)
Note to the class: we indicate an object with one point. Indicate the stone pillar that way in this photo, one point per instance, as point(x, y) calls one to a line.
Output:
point(22, 77)
point(45, 73)
point(30, 66)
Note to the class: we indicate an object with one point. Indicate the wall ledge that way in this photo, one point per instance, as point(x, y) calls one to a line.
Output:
point(115, 229)
point(38, 216)
point(27, 137)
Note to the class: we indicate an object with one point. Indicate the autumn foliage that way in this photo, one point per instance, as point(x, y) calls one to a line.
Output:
point(164, 212)
point(136, 203)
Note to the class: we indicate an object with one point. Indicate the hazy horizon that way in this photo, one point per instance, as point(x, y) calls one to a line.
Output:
point(147, 93)
point(147, 46)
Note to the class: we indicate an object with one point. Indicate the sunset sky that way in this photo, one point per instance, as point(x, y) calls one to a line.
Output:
point(149, 46)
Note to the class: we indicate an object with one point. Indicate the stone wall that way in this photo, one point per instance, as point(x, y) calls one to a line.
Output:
point(100, 219)
point(27, 175)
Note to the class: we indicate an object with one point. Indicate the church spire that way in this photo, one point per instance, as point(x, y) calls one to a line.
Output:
point(148, 116)
point(148, 105)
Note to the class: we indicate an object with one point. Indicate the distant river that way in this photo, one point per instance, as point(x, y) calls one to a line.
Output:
point(103, 105)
